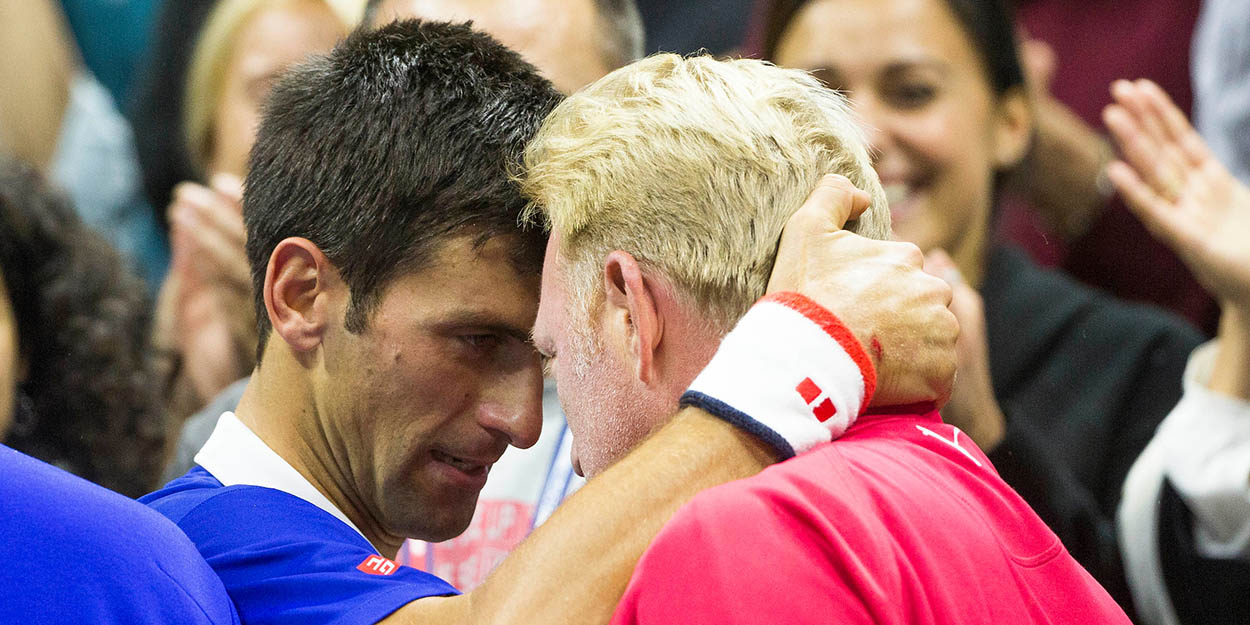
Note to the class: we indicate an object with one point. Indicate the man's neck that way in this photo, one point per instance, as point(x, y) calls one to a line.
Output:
point(277, 406)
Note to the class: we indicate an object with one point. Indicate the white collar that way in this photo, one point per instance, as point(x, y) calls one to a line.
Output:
point(234, 454)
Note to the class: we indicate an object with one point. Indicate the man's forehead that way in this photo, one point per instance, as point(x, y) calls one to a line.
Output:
point(514, 250)
point(468, 281)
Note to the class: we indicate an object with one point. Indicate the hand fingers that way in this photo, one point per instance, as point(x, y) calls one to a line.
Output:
point(214, 254)
point(208, 208)
point(937, 262)
point(1142, 152)
point(1127, 95)
point(935, 269)
point(229, 260)
point(1165, 124)
point(1039, 64)
point(229, 186)
point(1156, 213)
point(1177, 126)
point(833, 202)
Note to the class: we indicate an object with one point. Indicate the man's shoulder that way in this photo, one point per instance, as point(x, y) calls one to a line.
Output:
point(279, 555)
point(796, 498)
point(830, 476)
point(733, 550)
point(198, 503)
point(69, 505)
point(195, 488)
point(108, 538)
point(866, 493)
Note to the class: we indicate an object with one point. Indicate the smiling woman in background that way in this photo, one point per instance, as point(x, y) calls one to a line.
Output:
point(1061, 385)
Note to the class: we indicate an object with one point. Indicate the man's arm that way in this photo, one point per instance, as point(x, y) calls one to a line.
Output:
point(575, 567)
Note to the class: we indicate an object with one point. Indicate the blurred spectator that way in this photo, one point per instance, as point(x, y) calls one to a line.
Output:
point(204, 321)
point(35, 53)
point(1185, 516)
point(571, 43)
point(1075, 49)
point(112, 36)
point(1061, 385)
point(80, 376)
point(76, 553)
point(718, 26)
point(63, 121)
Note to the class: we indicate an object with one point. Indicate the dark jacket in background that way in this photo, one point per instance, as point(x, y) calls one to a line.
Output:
point(1084, 380)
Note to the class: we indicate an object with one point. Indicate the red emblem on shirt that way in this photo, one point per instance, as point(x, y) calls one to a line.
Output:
point(811, 393)
point(377, 565)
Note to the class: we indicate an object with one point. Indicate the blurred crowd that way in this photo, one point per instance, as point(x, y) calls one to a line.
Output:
point(1076, 170)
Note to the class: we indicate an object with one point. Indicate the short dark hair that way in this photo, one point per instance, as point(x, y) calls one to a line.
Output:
point(990, 25)
point(379, 151)
point(90, 402)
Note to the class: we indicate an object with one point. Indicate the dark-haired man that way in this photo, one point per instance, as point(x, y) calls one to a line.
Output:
point(572, 43)
point(395, 296)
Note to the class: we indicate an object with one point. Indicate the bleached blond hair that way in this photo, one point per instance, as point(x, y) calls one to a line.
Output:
point(693, 165)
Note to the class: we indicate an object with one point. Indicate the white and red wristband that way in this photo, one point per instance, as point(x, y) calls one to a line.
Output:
point(789, 372)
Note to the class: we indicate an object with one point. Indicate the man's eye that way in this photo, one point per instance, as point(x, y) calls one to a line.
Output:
point(480, 341)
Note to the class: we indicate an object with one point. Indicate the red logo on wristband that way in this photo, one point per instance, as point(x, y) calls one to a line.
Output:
point(811, 394)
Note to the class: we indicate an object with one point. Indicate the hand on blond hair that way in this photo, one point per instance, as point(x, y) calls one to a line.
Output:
point(877, 288)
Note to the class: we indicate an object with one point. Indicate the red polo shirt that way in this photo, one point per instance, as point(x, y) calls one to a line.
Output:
point(902, 520)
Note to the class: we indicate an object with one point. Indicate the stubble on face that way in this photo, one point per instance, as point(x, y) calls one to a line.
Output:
point(609, 410)
point(441, 377)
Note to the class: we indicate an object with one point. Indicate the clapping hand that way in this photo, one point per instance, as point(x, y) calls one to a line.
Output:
point(1175, 185)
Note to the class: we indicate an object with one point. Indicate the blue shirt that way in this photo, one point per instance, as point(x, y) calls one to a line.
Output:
point(285, 560)
point(73, 552)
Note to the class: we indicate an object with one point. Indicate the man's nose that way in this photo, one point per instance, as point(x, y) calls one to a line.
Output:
point(515, 407)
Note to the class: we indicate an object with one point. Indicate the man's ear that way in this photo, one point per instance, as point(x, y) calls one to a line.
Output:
point(631, 309)
point(298, 280)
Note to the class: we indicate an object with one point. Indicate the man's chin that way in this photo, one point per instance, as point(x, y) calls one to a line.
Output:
point(447, 527)
point(435, 519)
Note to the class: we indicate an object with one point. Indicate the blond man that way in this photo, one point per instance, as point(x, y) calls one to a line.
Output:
point(666, 186)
